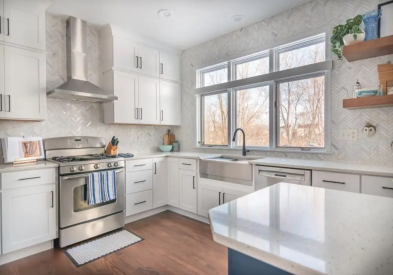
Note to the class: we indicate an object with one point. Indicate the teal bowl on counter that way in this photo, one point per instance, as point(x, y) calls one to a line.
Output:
point(165, 148)
point(366, 92)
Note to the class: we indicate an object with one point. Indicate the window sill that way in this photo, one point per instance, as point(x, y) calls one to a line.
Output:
point(323, 152)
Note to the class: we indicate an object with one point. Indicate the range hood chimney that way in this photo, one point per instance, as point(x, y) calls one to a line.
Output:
point(77, 87)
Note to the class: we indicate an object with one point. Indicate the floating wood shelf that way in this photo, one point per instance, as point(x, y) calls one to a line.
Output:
point(368, 102)
point(368, 49)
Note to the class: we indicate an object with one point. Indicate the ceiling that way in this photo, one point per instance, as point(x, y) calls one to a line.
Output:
point(193, 21)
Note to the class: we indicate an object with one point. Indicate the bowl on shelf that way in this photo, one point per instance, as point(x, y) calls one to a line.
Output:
point(367, 92)
point(165, 148)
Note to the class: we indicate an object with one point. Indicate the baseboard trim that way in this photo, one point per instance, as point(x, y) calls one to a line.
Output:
point(155, 211)
point(26, 252)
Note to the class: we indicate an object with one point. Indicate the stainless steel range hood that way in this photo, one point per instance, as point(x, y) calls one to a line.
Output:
point(77, 87)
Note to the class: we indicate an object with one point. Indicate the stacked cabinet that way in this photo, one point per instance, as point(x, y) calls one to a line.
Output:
point(145, 80)
point(22, 60)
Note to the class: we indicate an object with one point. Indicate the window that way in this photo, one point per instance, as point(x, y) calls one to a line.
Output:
point(277, 96)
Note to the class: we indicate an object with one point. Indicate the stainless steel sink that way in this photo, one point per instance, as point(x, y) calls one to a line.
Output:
point(228, 168)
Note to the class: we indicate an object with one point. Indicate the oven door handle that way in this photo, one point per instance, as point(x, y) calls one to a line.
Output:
point(85, 175)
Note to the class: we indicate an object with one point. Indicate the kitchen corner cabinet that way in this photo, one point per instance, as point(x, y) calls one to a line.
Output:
point(28, 216)
point(169, 67)
point(160, 189)
point(170, 103)
point(188, 190)
point(23, 23)
point(173, 182)
point(23, 74)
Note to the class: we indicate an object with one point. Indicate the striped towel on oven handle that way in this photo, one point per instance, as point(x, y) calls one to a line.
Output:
point(101, 187)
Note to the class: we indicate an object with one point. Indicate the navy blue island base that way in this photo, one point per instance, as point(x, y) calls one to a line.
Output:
point(240, 264)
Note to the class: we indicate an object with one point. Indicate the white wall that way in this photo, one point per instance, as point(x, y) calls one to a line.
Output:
point(315, 15)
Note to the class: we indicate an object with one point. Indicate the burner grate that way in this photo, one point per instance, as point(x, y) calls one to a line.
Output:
point(83, 158)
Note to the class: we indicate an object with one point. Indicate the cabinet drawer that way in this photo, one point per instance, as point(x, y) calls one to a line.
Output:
point(26, 178)
point(336, 181)
point(187, 164)
point(378, 186)
point(139, 181)
point(139, 165)
point(139, 202)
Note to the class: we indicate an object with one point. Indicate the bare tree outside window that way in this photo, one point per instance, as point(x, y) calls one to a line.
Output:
point(216, 119)
point(252, 68)
point(303, 56)
point(215, 77)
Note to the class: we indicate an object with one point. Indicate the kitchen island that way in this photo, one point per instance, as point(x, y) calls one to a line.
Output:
point(294, 229)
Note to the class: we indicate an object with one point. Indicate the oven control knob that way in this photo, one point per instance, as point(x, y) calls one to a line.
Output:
point(96, 166)
point(116, 164)
point(81, 168)
point(109, 164)
point(73, 169)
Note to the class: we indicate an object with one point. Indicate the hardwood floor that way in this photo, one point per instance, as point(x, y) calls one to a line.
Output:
point(173, 244)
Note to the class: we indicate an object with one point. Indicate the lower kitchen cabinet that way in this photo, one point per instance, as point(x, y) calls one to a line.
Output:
point(173, 182)
point(378, 186)
point(28, 216)
point(139, 202)
point(229, 195)
point(336, 181)
point(188, 190)
point(160, 187)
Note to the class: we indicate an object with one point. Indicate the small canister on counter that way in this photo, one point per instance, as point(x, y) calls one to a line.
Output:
point(176, 146)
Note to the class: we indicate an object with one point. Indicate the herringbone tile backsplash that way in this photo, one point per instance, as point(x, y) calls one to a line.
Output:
point(71, 118)
point(315, 15)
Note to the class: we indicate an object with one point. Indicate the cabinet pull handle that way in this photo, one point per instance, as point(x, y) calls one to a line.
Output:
point(138, 165)
point(1, 101)
point(280, 175)
point(137, 63)
point(52, 199)
point(9, 103)
point(140, 181)
point(137, 113)
point(32, 178)
point(186, 163)
point(0, 24)
point(139, 202)
point(223, 198)
point(389, 188)
point(8, 26)
point(329, 181)
point(193, 182)
point(162, 68)
point(155, 168)
point(162, 115)
point(141, 114)
point(140, 62)
point(219, 198)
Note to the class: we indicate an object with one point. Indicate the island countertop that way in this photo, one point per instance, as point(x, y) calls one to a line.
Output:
point(309, 230)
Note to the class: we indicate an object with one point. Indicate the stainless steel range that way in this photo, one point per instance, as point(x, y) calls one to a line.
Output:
point(78, 157)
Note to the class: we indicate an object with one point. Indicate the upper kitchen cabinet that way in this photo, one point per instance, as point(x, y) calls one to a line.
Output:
point(23, 23)
point(148, 60)
point(170, 103)
point(148, 103)
point(169, 67)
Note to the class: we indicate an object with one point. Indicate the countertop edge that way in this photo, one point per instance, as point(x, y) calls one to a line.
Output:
point(42, 164)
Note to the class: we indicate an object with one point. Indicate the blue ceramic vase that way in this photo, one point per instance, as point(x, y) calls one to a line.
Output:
point(370, 20)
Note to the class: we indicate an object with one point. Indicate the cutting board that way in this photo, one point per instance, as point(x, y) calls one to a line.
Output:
point(385, 72)
point(169, 138)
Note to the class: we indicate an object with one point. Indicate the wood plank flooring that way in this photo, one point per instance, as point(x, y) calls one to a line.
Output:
point(173, 244)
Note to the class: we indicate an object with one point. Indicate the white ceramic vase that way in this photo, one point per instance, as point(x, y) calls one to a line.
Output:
point(349, 40)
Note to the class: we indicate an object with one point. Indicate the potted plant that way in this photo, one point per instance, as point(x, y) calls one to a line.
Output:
point(346, 34)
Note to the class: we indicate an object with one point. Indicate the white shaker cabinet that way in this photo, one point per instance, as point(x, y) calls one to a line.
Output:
point(188, 190)
point(28, 216)
point(160, 188)
point(23, 23)
point(2, 93)
point(148, 60)
point(336, 181)
point(378, 186)
point(170, 103)
point(209, 196)
point(24, 75)
point(124, 55)
point(173, 182)
point(148, 97)
point(169, 67)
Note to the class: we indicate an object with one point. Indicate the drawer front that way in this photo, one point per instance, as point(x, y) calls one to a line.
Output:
point(139, 202)
point(139, 165)
point(187, 164)
point(27, 178)
point(336, 181)
point(378, 186)
point(139, 181)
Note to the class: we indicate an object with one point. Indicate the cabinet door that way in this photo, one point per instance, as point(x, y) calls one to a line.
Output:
point(336, 181)
point(231, 194)
point(148, 61)
point(173, 182)
point(125, 54)
point(170, 103)
point(2, 95)
point(160, 187)
point(148, 94)
point(209, 196)
point(169, 67)
point(2, 21)
point(188, 191)
point(126, 89)
point(28, 216)
point(25, 23)
point(25, 84)
point(377, 186)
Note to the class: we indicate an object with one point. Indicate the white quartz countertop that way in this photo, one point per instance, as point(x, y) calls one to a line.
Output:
point(309, 230)
point(28, 166)
point(191, 155)
point(344, 167)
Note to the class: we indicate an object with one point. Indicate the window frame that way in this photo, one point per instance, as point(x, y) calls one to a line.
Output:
point(273, 79)
point(210, 69)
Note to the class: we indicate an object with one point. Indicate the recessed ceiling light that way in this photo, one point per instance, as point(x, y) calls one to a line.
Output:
point(238, 18)
point(165, 13)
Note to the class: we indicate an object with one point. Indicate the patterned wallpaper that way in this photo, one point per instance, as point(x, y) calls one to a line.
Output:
point(69, 118)
point(314, 15)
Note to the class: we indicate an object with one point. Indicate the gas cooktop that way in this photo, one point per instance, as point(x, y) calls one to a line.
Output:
point(84, 158)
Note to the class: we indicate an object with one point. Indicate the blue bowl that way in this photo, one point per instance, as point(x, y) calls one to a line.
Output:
point(366, 92)
point(165, 148)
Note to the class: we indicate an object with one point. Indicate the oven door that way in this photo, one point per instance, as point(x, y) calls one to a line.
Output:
point(73, 200)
